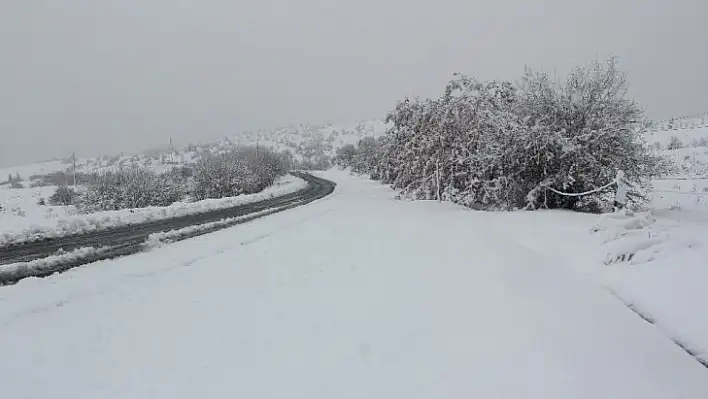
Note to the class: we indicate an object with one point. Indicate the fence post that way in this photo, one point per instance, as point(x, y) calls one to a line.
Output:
point(621, 193)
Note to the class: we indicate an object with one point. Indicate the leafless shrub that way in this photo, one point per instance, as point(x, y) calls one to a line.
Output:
point(675, 143)
point(130, 188)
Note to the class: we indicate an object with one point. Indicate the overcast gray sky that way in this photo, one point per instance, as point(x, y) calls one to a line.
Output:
point(121, 75)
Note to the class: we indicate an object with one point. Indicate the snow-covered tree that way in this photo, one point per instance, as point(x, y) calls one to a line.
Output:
point(242, 171)
point(344, 156)
point(590, 129)
point(64, 195)
point(221, 175)
point(364, 156)
point(134, 187)
point(500, 145)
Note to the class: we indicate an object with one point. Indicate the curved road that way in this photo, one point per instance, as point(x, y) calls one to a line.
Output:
point(125, 240)
point(358, 296)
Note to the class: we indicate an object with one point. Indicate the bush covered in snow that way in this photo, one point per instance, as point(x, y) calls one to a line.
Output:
point(64, 195)
point(504, 145)
point(134, 187)
point(242, 171)
point(362, 158)
point(220, 175)
point(344, 155)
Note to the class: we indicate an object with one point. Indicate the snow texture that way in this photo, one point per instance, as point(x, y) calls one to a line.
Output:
point(353, 296)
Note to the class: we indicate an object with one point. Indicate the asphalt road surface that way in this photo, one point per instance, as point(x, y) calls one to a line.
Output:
point(125, 240)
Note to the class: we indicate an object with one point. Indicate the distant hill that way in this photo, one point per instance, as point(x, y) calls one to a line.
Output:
point(311, 146)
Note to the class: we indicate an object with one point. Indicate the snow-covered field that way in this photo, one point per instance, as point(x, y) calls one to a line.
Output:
point(683, 122)
point(20, 205)
point(22, 219)
point(687, 188)
point(25, 171)
point(689, 137)
point(691, 162)
point(358, 296)
point(690, 194)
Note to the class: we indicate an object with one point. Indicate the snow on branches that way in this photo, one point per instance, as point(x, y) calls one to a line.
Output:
point(502, 145)
point(245, 170)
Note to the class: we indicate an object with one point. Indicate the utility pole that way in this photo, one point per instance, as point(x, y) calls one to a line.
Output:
point(73, 157)
point(257, 147)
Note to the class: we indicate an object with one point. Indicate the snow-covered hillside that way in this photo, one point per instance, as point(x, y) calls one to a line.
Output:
point(306, 143)
point(57, 172)
point(683, 140)
point(682, 122)
point(687, 187)
point(441, 302)
point(311, 146)
point(689, 137)
point(301, 139)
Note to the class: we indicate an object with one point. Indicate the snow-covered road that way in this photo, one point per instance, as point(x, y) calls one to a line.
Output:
point(354, 296)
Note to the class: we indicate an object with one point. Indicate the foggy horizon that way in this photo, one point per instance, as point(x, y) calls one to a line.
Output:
point(124, 76)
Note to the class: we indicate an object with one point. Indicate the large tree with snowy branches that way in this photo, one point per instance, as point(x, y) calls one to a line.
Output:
point(504, 145)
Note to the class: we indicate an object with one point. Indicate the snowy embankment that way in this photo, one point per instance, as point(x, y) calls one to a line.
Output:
point(10, 271)
point(28, 225)
point(656, 262)
point(165, 237)
point(48, 263)
point(665, 278)
point(353, 296)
